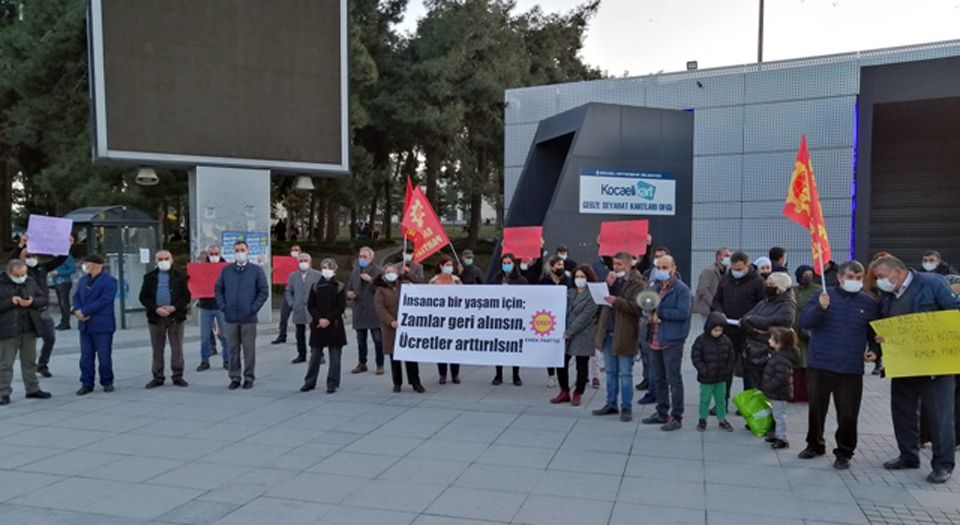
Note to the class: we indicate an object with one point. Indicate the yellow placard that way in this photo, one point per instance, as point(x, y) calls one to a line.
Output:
point(926, 344)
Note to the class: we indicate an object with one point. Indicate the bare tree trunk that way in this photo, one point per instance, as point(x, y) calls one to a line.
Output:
point(353, 223)
point(373, 210)
point(312, 223)
point(333, 223)
point(6, 211)
point(433, 172)
point(320, 226)
point(388, 210)
point(473, 230)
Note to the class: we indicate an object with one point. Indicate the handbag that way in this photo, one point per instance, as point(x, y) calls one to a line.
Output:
point(756, 411)
point(756, 352)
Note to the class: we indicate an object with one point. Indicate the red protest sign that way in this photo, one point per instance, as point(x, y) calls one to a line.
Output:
point(523, 242)
point(202, 277)
point(624, 236)
point(283, 266)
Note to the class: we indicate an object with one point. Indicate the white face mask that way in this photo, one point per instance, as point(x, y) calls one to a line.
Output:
point(390, 277)
point(886, 285)
point(31, 262)
point(408, 257)
point(524, 266)
point(19, 280)
point(304, 266)
point(929, 266)
point(214, 258)
point(852, 286)
point(725, 261)
point(241, 257)
point(448, 270)
point(562, 256)
point(164, 265)
point(85, 268)
point(294, 254)
point(621, 275)
point(328, 273)
point(581, 282)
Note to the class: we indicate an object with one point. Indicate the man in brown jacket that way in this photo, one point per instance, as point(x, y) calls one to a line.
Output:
point(618, 334)
point(707, 286)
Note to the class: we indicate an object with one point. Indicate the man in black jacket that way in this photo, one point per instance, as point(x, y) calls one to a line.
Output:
point(740, 290)
point(470, 273)
point(38, 272)
point(165, 296)
point(21, 302)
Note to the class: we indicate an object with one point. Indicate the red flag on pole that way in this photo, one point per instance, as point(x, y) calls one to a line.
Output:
point(420, 218)
point(803, 207)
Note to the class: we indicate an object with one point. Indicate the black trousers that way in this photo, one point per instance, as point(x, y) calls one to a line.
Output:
point(516, 372)
point(936, 395)
point(847, 392)
point(333, 372)
point(563, 374)
point(454, 370)
point(413, 372)
point(63, 301)
point(302, 341)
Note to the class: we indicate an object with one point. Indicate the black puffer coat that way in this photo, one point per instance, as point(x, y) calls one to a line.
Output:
point(778, 374)
point(713, 358)
point(328, 300)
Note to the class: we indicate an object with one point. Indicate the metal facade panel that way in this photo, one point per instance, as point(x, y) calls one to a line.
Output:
point(718, 179)
point(827, 80)
point(517, 140)
point(766, 175)
point(828, 122)
point(530, 104)
point(682, 92)
point(718, 130)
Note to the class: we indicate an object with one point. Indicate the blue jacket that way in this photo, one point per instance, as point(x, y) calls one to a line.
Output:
point(241, 294)
point(65, 271)
point(840, 334)
point(94, 299)
point(932, 295)
point(674, 313)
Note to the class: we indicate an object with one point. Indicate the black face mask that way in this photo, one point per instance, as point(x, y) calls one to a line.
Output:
point(805, 280)
point(558, 272)
point(772, 292)
point(765, 275)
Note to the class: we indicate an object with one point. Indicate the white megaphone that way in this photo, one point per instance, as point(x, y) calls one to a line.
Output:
point(648, 301)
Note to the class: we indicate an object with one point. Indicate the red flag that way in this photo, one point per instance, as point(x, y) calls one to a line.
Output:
point(803, 207)
point(410, 234)
point(423, 221)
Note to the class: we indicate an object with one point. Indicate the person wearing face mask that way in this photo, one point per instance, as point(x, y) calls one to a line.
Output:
point(62, 277)
point(531, 270)
point(581, 318)
point(933, 262)
point(360, 290)
point(93, 307)
point(707, 286)
point(806, 286)
point(556, 274)
point(387, 302)
point(210, 316)
point(327, 303)
point(658, 252)
point(618, 334)
point(445, 275)
point(778, 260)
point(669, 326)
point(165, 297)
point(908, 292)
point(764, 267)
point(838, 323)
point(39, 272)
point(410, 270)
point(21, 301)
point(508, 275)
point(778, 308)
point(569, 265)
point(241, 290)
point(299, 284)
point(740, 290)
point(470, 273)
point(285, 307)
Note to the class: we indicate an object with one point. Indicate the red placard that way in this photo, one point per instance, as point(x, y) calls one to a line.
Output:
point(624, 236)
point(523, 242)
point(202, 277)
point(283, 266)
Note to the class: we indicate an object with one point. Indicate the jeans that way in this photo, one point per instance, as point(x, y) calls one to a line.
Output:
point(595, 361)
point(377, 337)
point(96, 348)
point(847, 391)
point(49, 336)
point(313, 369)
point(668, 380)
point(207, 318)
point(715, 392)
point(779, 419)
point(26, 346)
point(63, 300)
point(937, 395)
point(619, 375)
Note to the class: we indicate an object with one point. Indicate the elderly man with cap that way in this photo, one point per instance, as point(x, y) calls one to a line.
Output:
point(93, 308)
point(778, 308)
point(470, 273)
point(21, 302)
point(165, 296)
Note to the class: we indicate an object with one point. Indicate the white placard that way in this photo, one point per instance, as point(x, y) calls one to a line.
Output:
point(144, 255)
point(627, 193)
point(482, 325)
point(598, 291)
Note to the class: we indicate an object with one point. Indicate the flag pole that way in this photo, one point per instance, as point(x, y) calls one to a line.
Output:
point(403, 254)
point(823, 269)
point(454, 250)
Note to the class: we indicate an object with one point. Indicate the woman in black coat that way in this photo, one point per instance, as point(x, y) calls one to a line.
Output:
point(778, 309)
point(327, 302)
point(509, 274)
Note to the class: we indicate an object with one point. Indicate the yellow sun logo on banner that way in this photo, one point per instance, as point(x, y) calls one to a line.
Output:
point(543, 322)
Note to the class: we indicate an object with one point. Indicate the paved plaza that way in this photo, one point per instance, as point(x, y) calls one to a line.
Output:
point(459, 454)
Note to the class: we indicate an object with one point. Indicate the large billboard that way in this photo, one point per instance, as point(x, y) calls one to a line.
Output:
point(241, 83)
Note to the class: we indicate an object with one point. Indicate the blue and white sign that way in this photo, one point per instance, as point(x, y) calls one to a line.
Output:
point(615, 192)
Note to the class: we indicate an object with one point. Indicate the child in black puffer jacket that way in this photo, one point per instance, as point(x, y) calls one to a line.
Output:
point(713, 356)
point(778, 379)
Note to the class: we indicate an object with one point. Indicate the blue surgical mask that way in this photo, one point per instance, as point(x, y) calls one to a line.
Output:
point(363, 263)
point(738, 274)
point(507, 267)
point(468, 262)
point(661, 275)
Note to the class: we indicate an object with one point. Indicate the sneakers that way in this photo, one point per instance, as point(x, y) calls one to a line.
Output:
point(44, 371)
point(779, 443)
point(154, 383)
point(702, 425)
point(671, 425)
point(626, 416)
point(809, 453)
point(605, 410)
point(562, 397)
point(577, 399)
point(595, 383)
point(647, 399)
point(203, 366)
point(359, 369)
point(655, 419)
point(725, 425)
point(551, 381)
point(380, 370)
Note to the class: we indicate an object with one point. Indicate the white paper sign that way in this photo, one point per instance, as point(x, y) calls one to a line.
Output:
point(144, 255)
point(482, 325)
point(48, 235)
point(598, 291)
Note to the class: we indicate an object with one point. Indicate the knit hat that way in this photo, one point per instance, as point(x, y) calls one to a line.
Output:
point(781, 280)
point(802, 269)
point(763, 261)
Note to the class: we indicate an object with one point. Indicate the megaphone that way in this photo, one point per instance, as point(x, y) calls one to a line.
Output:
point(648, 301)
